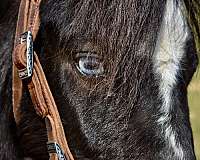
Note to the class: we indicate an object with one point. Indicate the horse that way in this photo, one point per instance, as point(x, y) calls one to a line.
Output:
point(118, 71)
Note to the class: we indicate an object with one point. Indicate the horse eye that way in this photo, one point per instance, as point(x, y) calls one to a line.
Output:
point(89, 64)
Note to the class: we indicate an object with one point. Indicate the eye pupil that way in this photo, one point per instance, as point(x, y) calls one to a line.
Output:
point(89, 65)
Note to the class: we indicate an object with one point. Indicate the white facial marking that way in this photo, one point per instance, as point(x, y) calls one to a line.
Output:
point(168, 55)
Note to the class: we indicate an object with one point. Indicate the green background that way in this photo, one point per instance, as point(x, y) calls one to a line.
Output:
point(194, 103)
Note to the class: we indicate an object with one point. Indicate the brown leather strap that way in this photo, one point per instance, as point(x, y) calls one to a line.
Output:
point(44, 104)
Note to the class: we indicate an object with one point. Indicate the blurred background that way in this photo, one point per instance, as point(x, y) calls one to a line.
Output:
point(194, 104)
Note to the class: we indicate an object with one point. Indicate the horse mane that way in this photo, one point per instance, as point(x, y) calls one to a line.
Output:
point(193, 14)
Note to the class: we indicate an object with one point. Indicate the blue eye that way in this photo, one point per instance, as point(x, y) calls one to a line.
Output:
point(89, 65)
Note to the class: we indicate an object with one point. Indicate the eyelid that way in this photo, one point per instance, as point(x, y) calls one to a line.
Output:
point(80, 54)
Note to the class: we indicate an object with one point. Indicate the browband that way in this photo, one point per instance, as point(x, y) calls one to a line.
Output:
point(26, 65)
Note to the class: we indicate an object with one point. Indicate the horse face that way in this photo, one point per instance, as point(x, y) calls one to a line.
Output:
point(119, 73)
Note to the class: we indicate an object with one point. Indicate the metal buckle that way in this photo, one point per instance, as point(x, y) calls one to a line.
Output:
point(54, 147)
point(28, 38)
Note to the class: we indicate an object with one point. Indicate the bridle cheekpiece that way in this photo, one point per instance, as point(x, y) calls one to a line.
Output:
point(27, 71)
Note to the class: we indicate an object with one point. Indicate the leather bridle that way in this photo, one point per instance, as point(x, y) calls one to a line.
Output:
point(27, 71)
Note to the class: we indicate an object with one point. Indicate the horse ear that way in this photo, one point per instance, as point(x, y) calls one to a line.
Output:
point(3, 7)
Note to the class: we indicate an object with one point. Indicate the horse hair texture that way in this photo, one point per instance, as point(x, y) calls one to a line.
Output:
point(112, 117)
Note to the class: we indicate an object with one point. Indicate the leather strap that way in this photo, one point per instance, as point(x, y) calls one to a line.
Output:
point(44, 104)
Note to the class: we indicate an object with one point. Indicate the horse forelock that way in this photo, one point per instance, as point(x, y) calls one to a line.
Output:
point(125, 31)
